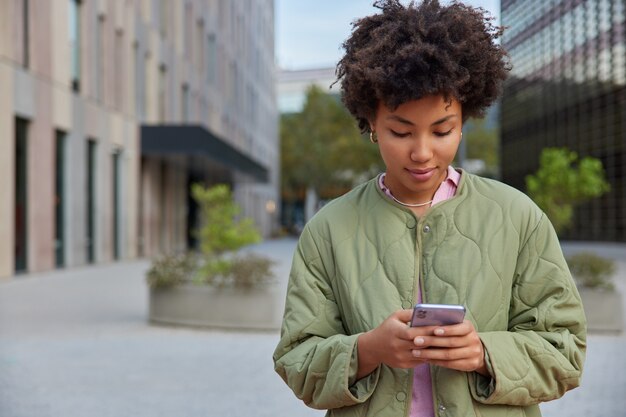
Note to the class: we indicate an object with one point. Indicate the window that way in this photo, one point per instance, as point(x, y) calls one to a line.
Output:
point(25, 36)
point(164, 207)
point(59, 200)
point(100, 58)
point(185, 104)
point(188, 31)
point(116, 221)
point(211, 58)
point(146, 87)
point(21, 195)
point(91, 201)
point(162, 93)
point(139, 95)
point(75, 42)
point(199, 46)
point(119, 71)
point(163, 17)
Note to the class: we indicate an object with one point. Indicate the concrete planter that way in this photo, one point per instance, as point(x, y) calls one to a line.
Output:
point(604, 310)
point(202, 305)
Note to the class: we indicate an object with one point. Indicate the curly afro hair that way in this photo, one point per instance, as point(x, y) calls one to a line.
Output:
point(409, 52)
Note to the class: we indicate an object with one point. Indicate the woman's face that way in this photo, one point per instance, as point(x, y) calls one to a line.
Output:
point(418, 141)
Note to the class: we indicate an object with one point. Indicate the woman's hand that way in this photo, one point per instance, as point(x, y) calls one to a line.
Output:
point(456, 347)
point(391, 343)
point(397, 345)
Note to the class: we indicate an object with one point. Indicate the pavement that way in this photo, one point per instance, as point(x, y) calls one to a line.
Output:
point(77, 342)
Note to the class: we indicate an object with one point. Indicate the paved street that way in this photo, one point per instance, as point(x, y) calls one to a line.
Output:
point(77, 343)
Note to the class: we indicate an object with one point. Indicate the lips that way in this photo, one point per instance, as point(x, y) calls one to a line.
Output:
point(422, 174)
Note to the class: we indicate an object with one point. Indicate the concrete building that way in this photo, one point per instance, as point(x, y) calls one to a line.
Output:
point(110, 109)
point(293, 85)
point(568, 89)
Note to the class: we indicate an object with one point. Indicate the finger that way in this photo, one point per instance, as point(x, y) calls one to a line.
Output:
point(453, 354)
point(466, 365)
point(404, 359)
point(413, 333)
point(409, 333)
point(413, 360)
point(423, 330)
point(460, 329)
point(404, 315)
point(404, 345)
point(444, 342)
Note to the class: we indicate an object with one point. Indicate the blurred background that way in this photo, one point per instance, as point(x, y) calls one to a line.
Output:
point(111, 109)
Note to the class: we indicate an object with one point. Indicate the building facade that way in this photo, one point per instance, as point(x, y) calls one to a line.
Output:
point(111, 109)
point(294, 84)
point(568, 89)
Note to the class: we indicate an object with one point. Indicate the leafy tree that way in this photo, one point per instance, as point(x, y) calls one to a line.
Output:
point(321, 148)
point(221, 230)
point(562, 182)
point(482, 143)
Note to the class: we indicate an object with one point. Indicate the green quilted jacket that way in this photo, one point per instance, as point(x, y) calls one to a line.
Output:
point(489, 248)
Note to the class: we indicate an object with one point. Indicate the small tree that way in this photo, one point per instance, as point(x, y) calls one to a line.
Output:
point(322, 150)
point(482, 143)
point(222, 230)
point(562, 182)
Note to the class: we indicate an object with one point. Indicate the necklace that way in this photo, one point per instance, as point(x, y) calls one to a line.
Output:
point(411, 205)
point(381, 183)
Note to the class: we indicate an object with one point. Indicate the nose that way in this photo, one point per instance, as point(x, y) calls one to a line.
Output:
point(421, 151)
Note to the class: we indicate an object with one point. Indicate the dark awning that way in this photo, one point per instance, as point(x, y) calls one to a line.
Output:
point(196, 140)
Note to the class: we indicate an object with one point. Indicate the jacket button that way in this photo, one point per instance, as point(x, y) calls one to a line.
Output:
point(442, 408)
point(426, 229)
point(411, 223)
point(401, 396)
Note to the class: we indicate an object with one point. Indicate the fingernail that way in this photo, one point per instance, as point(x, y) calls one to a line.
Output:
point(417, 353)
point(419, 340)
point(439, 332)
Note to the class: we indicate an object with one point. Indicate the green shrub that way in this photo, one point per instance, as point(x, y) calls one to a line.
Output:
point(211, 270)
point(171, 270)
point(252, 271)
point(564, 181)
point(592, 271)
point(222, 233)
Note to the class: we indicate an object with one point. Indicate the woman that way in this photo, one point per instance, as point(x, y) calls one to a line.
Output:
point(424, 231)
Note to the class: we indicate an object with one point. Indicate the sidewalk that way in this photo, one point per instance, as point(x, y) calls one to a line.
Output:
point(76, 343)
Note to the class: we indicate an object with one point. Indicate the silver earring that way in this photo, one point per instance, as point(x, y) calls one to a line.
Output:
point(373, 138)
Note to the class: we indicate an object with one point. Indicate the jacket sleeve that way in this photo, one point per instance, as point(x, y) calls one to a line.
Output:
point(315, 356)
point(541, 355)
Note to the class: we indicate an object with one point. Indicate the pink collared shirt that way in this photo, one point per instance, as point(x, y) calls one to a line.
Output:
point(448, 187)
point(422, 398)
point(446, 190)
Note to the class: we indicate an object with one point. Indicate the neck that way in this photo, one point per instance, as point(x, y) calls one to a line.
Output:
point(397, 200)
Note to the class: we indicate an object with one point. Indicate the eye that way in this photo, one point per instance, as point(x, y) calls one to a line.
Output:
point(441, 134)
point(398, 134)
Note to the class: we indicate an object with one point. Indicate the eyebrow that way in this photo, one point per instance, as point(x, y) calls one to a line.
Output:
point(408, 122)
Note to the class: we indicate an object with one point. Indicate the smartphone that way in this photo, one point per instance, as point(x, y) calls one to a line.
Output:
point(437, 314)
